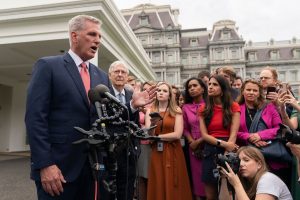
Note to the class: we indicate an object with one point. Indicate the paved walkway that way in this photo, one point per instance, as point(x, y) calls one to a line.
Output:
point(15, 183)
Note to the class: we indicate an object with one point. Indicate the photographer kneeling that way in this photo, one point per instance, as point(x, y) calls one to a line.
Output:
point(253, 180)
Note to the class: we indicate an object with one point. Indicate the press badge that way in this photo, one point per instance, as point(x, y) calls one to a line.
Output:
point(160, 146)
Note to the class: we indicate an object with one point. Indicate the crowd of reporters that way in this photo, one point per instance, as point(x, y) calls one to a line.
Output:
point(216, 114)
point(223, 113)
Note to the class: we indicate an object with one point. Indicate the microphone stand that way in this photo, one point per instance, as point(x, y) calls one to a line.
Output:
point(111, 143)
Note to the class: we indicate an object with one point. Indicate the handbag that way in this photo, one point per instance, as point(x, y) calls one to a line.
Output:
point(276, 150)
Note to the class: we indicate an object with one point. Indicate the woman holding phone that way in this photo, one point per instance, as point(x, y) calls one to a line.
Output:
point(167, 178)
point(219, 122)
point(259, 123)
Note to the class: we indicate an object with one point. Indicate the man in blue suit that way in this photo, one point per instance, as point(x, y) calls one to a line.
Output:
point(56, 102)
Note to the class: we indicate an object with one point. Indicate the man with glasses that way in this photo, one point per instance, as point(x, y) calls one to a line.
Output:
point(126, 160)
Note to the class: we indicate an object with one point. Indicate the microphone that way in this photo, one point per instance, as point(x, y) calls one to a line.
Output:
point(95, 98)
point(104, 93)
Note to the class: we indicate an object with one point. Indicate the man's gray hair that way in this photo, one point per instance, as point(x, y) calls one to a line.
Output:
point(77, 23)
point(115, 64)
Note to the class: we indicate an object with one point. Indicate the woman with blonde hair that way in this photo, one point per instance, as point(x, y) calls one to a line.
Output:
point(253, 180)
point(167, 178)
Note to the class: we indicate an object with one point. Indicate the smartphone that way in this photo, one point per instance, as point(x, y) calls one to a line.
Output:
point(155, 114)
point(271, 89)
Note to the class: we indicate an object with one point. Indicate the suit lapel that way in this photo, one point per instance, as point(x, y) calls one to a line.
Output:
point(73, 71)
point(128, 96)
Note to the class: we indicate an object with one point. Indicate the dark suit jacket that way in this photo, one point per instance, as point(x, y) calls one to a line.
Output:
point(56, 102)
point(126, 172)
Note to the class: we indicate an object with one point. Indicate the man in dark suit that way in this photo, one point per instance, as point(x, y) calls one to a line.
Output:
point(126, 160)
point(56, 102)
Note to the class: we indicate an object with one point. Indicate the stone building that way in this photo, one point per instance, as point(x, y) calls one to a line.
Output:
point(178, 54)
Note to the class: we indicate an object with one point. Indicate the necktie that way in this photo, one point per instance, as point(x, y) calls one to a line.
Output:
point(120, 97)
point(85, 77)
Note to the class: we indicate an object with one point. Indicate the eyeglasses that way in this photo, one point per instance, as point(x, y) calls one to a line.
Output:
point(264, 77)
point(117, 72)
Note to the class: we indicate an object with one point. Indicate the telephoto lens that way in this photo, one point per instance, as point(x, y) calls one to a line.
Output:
point(288, 134)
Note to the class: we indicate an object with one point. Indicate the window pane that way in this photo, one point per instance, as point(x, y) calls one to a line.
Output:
point(293, 76)
point(193, 42)
point(170, 58)
point(156, 57)
point(159, 76)
point(281, 76)
point(171, 78)
point(204, 60)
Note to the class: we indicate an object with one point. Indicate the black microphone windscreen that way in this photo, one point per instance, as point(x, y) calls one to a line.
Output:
point(101, 89)
point(94, 96)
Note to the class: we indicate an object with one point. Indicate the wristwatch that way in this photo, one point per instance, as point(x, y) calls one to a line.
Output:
point(218, 142)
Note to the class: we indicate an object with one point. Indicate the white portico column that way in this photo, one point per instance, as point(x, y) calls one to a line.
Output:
point(95, 59)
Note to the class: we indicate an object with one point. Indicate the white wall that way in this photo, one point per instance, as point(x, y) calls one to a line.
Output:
point(17, 139)
point(12, 112)
point(5, 115)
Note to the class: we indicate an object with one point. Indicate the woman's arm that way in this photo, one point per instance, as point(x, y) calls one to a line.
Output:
point(235, 124)
point(228, 146)
point(235, 181)
point(186, 126)
point(240, 192)
point(178, 129)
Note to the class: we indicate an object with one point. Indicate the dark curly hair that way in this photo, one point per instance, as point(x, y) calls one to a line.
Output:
point(188, 98)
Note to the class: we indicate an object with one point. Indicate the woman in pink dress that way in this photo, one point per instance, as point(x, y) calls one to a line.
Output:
point(196, 93)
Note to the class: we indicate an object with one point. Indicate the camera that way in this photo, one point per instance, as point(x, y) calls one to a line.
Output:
point(231, 158)
point(288, 134)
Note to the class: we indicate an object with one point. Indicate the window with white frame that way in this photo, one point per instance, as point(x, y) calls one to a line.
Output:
point(195, 59)
point(252, 56)
point(193, 42)
point(170, 57)
point(225, 35)
point(234, 53)
point(143, 40)
point(293, 75)
point(170, 39)
point(170, 76)
point(248, 75)
point(159, 76)
point(184, 77)
point(144, 20)
point(204, 59)
point(296, 53)
point(219, 54)
point(156, 39)
point(274, 54)
point(156, 57)
point(281, 76)
point(184, 59)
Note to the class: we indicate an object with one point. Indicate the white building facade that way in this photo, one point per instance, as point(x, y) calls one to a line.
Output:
point(179, 54)
point(33, 29)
